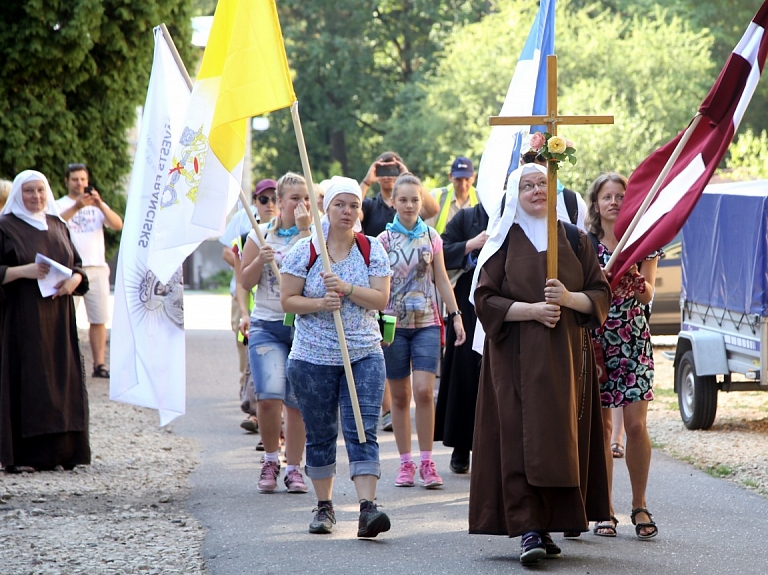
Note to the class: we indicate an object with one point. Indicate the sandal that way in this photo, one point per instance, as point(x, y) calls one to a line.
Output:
point(101, 371)
point(639, 526)
point(532, 548)
point(609, 527)
point(617, 449)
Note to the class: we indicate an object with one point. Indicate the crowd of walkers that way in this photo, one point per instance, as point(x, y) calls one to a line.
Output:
point(533, 369)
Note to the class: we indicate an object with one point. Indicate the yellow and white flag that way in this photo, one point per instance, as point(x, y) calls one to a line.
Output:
point(244, 73)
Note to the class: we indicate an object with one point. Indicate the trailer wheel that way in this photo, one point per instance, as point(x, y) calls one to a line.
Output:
point(696, 394)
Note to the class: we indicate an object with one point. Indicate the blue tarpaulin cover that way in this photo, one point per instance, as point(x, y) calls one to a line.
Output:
point(725, 248)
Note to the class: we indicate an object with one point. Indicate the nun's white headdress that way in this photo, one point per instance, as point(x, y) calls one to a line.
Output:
point(15, 204)
point(500, 223)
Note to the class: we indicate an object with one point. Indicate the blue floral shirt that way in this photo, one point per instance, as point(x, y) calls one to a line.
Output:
point(315, 339)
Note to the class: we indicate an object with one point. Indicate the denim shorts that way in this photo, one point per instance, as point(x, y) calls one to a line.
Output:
point(321, 391)
point(269, 343)
point(419, 347)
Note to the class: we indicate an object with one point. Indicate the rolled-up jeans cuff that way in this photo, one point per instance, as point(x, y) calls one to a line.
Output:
point(324, 472)
point(364, 468)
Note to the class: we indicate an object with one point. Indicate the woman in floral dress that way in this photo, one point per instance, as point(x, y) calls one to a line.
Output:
point(626, 343)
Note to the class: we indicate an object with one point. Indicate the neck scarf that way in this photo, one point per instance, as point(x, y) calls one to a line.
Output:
point(396, 226)
point(15, 204)
point(287, 232)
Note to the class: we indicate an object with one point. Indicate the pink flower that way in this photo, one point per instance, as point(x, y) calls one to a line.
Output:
point(569, 143)
point(537, 141)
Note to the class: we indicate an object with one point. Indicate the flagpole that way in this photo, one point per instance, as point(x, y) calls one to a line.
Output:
point(654, 190)
point(243, 197)
point(327, 267)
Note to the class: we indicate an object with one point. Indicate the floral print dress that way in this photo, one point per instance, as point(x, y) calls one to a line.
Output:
point(626, 341)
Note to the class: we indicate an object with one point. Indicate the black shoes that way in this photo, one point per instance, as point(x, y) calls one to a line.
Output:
point(460, 461)
point(324, 519)
point(532, 548)
point(372, 521)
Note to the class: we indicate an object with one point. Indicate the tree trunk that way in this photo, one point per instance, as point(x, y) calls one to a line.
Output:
point(339, 149)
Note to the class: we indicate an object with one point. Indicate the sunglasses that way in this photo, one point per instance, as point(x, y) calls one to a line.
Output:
point(77, 167)
point(264, 200)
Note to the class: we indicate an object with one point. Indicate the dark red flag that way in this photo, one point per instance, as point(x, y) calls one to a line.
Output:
point(721, 113)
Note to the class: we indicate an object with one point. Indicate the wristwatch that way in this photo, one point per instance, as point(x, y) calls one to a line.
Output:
point(453, 314)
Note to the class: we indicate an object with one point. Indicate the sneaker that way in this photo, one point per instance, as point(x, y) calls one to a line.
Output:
point(532, 548)
point(406, 474)
point(294, 482)
point(429, 476)
point(386, 421)
point(372, 521)
point(553, 549)
point(270, 471)
point(324, 519)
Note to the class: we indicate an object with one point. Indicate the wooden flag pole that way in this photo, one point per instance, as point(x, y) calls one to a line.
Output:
point(654, 190)
point(323, 251)
point(243, 197)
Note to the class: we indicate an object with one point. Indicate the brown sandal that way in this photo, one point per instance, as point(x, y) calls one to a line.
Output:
point(608, 526)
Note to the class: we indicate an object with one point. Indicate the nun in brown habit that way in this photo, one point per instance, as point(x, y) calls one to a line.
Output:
point(539, 464)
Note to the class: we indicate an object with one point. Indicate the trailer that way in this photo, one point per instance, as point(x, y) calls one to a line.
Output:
point(723, 341)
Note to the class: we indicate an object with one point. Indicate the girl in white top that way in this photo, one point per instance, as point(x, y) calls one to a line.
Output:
point(270, 341)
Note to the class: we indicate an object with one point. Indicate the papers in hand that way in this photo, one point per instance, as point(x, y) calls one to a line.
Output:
point(56, 274)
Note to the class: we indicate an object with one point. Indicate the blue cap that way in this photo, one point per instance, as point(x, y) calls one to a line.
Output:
point(462, 168)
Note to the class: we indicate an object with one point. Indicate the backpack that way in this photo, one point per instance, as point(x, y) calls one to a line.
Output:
point(363, 244)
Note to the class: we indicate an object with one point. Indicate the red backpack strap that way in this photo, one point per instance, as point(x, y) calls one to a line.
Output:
point(364, 245)
point(312, 256)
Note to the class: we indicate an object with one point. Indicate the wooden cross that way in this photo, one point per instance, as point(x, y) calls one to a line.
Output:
point(552, 119)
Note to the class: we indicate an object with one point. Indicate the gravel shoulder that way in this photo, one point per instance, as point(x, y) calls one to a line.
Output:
point(734, 448)
point(123, 514)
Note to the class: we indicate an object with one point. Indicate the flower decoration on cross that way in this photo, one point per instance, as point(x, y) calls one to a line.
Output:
point(554, 149)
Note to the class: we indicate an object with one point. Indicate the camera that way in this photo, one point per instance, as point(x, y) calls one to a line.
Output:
point(387, 170)
point(88, 190)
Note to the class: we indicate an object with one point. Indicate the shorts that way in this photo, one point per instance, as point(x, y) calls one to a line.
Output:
point(269, 344)
point(419, 347)
point(97, 296)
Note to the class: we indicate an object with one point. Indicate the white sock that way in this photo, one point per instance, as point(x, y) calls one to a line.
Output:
point(289, 468)
point(272, 457)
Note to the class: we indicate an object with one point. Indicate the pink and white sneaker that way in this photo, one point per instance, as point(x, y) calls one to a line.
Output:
point(429, 476)
point(406, 475)
point(294, 482)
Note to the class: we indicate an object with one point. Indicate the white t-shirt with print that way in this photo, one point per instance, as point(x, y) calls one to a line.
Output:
point(87, 230)
point(266, 299)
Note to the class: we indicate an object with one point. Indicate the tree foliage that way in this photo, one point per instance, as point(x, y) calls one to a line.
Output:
point(72, 73)
point(351, 59)
point(607, 65)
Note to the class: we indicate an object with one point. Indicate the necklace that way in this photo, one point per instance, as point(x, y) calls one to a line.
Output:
point(330, 257)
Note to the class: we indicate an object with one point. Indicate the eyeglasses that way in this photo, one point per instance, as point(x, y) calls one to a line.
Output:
point(264, 200)
point(528, 186)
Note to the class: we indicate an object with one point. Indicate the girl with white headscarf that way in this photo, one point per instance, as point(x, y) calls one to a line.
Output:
point(538, 461)
point(44, 412)
point(357, 285)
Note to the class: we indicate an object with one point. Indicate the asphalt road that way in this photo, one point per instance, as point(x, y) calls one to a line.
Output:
point(706, 525)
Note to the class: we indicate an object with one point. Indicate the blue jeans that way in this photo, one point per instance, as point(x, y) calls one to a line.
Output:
point(321, 390)
point(419, 347)
point(269, 343)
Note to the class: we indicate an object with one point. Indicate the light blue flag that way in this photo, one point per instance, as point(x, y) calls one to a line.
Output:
point(527, 95)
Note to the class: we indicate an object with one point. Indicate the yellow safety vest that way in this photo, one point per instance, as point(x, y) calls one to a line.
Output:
point(445, 199)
